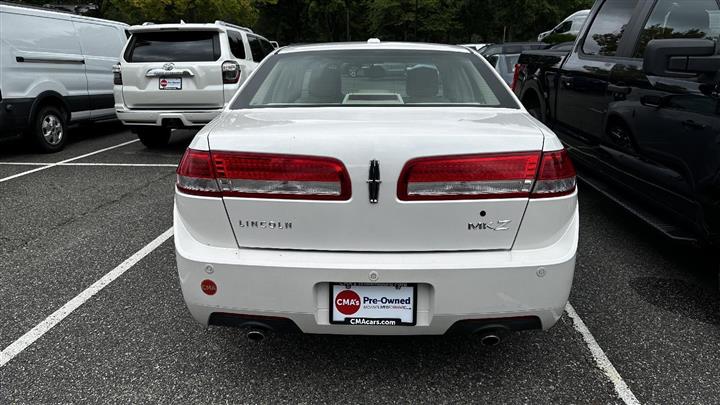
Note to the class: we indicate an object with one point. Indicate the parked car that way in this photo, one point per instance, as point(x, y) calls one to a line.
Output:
point(476, 47)
point(182, 75)
point(511, 48)
point(636, 102)
point(422, 204)
point(55, 70)
point(567, 30)
point(505, 65)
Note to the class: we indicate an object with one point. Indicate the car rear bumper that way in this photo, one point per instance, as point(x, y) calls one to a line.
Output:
point(453, 288)
point(167, 118)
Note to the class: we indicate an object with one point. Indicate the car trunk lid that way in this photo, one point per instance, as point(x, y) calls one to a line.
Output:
point(376, 144)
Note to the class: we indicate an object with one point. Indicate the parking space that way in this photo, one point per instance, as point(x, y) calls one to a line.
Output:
point(650, 306)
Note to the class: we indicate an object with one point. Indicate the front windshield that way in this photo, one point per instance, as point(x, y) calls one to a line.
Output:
point(374, 77)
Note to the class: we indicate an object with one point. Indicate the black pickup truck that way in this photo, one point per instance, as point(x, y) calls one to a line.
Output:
point(637, 103)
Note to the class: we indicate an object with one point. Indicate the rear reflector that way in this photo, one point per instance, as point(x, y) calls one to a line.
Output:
point(556, 176)
point(475, 177)
point(469, 177)
point(260, 175)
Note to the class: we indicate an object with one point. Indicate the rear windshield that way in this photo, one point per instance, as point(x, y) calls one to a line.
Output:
point(177, 46)
point(374, 77)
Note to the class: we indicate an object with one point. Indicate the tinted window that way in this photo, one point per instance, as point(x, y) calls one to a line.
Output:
point(237, 47)
point(188, 46)
point(492, 50)
point(493, 59)
point(267, 47)
point(691, 19)
point(361, 78)
point(564, 27)
point(607, 29)
point(256, 48)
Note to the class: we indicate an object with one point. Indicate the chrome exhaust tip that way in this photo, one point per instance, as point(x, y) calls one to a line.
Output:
point(255, 335)
point(490, 340)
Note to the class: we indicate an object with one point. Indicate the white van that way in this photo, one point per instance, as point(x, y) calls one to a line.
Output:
point(55, 69)
point(570, 26)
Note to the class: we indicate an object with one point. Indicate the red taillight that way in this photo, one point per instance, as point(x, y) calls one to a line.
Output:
point(556, 176)
point(469, 177)
point(230, 72)
point(475, 177)
point(261, 175)
point(196, 176)
point(516, 76)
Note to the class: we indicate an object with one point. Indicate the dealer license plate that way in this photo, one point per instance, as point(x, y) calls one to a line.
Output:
point(373, 304)
point(170, 83)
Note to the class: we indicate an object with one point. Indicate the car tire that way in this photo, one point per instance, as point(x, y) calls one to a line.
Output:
point(48, 129)
point(534, 106)
point(154, 137)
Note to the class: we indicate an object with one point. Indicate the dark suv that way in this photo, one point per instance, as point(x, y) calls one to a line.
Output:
point(637, 102)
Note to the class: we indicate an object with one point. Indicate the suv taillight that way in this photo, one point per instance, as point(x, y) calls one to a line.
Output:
point(556, 176)
point(516, 76)
point(117, 75)
point(475, 177)
point(230, 72)
point(260, 175)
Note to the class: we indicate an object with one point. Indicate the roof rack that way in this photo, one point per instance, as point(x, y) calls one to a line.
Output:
point(218, 22)
point(148, 23)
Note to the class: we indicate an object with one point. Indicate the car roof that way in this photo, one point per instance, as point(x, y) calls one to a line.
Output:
point(578, 14)
point(182, 26)
point(53, 13)
point(347, 46)
point(515, 47)
point(148, 27)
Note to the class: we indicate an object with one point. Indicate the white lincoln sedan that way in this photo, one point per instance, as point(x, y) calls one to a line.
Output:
point(417, 198)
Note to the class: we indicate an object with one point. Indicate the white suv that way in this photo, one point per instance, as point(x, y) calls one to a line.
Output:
point(182, 75)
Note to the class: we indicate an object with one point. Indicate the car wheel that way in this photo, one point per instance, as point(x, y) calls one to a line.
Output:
point(154, 137)
point(536, 112)
point(49, 129)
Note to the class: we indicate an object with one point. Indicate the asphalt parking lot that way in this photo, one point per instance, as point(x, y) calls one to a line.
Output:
point(650, 309)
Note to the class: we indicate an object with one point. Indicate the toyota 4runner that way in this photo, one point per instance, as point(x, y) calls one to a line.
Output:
point(182, 75)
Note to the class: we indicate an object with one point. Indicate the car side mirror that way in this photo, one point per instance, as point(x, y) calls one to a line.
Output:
point(681, 58)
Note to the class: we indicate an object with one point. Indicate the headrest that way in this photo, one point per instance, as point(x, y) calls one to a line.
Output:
point(325, 82)
point(422, 81)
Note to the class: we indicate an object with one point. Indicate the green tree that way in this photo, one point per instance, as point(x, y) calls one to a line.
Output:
point(242, 12)
point(295, 21)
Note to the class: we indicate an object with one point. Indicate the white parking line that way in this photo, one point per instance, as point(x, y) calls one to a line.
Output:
point(90, 164)
point(25, 164)
point(66, 161)
point(122, 164)
point(56, 317)
point(602, 361)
